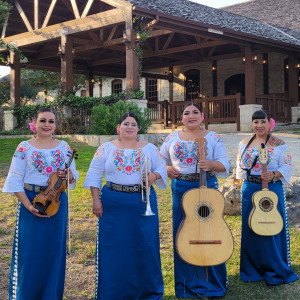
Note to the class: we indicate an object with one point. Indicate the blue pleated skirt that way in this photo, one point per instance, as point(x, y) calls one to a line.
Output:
point(39, 254)
point(128, 262)
point(265, 257)
point(193, 281)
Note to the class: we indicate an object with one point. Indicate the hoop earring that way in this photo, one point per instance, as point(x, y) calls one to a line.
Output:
point(137, 138)
point(34, 135)
point(53, 136)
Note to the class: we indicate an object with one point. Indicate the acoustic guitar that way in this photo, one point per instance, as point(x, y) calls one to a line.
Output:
point(203, 237)
point(264, 218)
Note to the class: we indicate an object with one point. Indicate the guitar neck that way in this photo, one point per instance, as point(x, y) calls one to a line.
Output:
point(202, 180)
point(264, 182)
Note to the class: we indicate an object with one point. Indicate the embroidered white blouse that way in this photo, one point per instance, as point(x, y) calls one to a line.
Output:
point(34, 166)
point(279, 159)
point(182, 154)
point(123, 166)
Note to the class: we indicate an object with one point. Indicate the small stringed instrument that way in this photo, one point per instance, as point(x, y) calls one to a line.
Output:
point(264, 218)
point(47, 202)
point(203, 237)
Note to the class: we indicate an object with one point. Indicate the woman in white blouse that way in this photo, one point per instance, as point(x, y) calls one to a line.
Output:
point(179, 152)
point(264, 257)
point(127, 257)
point(39, 249)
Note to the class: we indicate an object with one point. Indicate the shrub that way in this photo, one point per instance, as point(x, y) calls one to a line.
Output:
point(105, 118)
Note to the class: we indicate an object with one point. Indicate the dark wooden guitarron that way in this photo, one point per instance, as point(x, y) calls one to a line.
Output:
point(47, 202)
point(264, 218)
point(203, 237)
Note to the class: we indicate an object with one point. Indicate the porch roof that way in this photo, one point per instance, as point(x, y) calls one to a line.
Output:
point(220, 19)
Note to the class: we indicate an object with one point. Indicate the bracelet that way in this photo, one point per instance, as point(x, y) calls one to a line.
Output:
point(156, 177)
point(274, 175)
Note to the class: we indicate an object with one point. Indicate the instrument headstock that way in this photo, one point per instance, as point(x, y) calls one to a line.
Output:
point(72, 155)
point(201, 148)
point(263, 154)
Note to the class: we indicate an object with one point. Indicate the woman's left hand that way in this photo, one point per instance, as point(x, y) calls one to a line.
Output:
point(205, 164)
point(267, 175)
point(64, 173)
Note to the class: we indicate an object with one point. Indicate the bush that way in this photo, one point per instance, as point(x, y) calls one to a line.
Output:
point(105, 118)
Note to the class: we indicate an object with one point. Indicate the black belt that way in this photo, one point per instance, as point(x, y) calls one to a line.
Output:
point(34, 188)
point(124, 188)
point(258, 180)
point(194, 176)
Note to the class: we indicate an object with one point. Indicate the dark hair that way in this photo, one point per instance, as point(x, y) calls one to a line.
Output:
point(128, 114)
point(191, 104)
point(260, 114)
point(43, 110)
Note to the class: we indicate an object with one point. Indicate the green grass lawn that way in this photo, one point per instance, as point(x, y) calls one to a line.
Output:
point(80, 271)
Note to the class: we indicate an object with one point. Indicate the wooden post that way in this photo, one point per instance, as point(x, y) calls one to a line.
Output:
point(249, 77)
point(15, 79)
point(89, 85)
point(238, 103)
point(293, 80)
point(66, 64)
point(132, 60)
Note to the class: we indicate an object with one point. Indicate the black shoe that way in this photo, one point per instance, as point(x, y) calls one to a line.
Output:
point(215, 297)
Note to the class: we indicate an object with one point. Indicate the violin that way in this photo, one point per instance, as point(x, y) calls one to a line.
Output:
point(47, 202)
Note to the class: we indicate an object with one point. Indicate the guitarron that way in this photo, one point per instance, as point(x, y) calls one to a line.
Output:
point(203, 237)
point(264, 218)
point(47, 202)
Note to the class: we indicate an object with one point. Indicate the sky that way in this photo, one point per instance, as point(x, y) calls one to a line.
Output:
point(213, 3)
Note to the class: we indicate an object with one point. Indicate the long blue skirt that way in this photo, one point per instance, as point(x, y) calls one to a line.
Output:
point(193, 281)
point(128, 262)
point(265, 257)
point(39, 254)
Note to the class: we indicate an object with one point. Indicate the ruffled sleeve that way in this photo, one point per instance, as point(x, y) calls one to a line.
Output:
point(159, 166)
point(164, 149)
point(95, 173)
point(220, 155)
point(15, 178)
point(240, 173)
point(284, 163)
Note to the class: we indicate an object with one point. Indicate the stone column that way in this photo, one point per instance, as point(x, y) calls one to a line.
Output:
point(296, 114)
point(10, 121)
point(246, 112)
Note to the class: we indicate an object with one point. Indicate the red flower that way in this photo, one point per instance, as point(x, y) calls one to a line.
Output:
point(128, 168)
point(48, 169)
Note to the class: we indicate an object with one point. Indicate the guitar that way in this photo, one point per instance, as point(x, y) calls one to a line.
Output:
point(203, 237)
point(264, 218)
point(47, 202)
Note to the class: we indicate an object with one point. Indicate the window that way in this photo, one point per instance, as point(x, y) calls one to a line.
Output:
point(83, 93)
point(192, 84)
point(116, 86)
point(151, 89)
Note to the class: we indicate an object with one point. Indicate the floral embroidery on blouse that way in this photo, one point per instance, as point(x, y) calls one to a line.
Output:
point(217, 137)
point(185, 153)
point(250, 155)
point(99, 152)
point(21, 151)
point(40, 163)
point(169, 137)
point(128, 164)
point(287, 158)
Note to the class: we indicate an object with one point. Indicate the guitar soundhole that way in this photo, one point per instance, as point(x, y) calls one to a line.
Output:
point(204, 211)
point(266, 204)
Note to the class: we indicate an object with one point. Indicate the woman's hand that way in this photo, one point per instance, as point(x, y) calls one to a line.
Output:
point(152, 177)
point(35, 212)
point(64, 175)
point(98, 208)
point(205, 164)
point(267, 175)
point(172, 172)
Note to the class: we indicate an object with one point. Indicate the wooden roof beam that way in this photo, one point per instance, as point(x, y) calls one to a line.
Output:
point(49, 13)
point(87, 8)
point(75, 9)
point(89, 23)
point(23, 15)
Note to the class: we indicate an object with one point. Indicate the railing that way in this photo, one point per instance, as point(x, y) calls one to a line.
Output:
point(216, 110)
point(278, 106)
point(160, 111)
